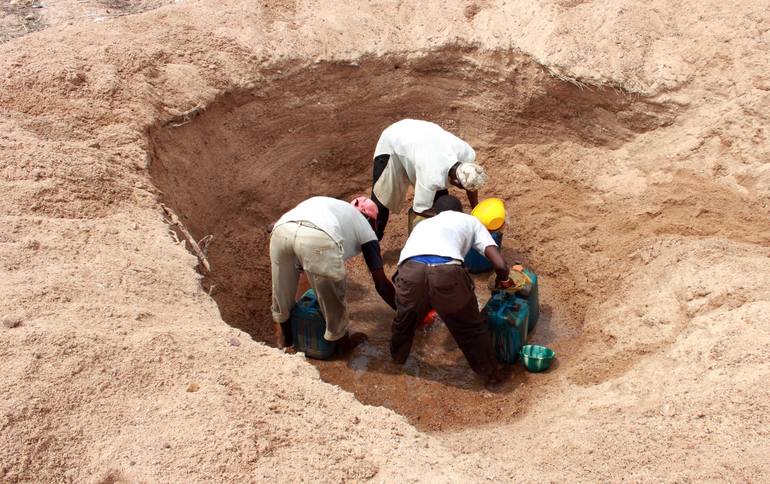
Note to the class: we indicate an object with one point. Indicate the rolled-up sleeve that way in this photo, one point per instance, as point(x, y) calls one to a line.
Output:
point(481, 237)
point(423, 197)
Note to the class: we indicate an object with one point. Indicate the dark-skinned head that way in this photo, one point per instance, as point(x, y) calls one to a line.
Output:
point(453, 176)
point(447, 202)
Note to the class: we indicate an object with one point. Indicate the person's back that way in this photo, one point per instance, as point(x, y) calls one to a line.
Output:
point(411, 137)
point(448, 234)
point(339, 219)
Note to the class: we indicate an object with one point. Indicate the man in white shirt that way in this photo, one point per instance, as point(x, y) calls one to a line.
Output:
point(421, 154)
point(431, 275)
point(318, 236)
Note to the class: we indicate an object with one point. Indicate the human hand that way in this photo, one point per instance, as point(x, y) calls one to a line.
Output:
point(503, 284)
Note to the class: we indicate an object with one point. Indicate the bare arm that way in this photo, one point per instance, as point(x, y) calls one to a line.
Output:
point(382, 284)
point(492, 253)
point(384, 287)
point(473, 197)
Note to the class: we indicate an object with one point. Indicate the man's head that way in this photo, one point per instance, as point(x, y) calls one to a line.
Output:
point(368, 209)
point(469, 176)
point(447, 202)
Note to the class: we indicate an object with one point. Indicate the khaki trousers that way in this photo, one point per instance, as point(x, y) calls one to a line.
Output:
point(296, 245)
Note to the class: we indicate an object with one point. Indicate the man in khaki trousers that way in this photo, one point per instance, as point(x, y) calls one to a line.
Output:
point(317, 237)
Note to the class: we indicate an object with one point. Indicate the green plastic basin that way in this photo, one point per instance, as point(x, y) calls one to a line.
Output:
point(536, 358)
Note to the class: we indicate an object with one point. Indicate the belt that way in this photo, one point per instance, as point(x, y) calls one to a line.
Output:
point(452, 262)
point(305, 223)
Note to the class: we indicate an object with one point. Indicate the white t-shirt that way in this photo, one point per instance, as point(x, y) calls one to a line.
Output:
point(426, 152)
point(448, 234)
point(340, 220)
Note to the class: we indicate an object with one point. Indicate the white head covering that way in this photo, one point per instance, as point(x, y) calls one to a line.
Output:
point(471, 176)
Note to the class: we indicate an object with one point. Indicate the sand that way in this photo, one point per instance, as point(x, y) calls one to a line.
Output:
point(629, 139)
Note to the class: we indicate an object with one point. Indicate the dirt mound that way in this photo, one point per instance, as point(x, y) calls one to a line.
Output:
point(204, 164)
point(21, 17)
point(630, 147)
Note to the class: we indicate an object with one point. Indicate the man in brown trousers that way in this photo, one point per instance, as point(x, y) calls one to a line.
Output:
point(431, 275)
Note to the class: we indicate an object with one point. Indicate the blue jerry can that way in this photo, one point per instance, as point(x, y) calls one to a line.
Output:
point(476, 263)
point(508, 319)
point(308, 327)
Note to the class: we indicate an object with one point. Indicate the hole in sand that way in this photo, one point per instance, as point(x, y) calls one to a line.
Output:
point(306, 130)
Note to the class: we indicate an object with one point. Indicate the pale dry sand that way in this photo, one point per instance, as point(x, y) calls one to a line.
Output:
point(631, 140)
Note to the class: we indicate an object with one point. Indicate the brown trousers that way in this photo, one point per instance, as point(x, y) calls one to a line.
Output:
point(449, 290)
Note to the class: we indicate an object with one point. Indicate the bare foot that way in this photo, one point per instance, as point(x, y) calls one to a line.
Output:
point(283, 336)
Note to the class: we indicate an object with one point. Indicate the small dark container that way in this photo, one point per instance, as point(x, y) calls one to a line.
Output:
point(308, 327)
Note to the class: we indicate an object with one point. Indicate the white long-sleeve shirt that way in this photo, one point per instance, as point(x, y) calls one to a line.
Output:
point(421, 154)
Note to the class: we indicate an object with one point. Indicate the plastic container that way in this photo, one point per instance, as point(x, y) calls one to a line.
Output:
point(476, 263)
point(537, 358)
point(528, 291)
point(491, 212)
point(508, 317)
point(308, 327)
point(429, 318)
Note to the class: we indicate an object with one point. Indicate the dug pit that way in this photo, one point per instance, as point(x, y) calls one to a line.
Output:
point(310, 129)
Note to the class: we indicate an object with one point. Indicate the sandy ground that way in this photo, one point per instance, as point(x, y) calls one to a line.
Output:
point(629, 138)
point(21, 17)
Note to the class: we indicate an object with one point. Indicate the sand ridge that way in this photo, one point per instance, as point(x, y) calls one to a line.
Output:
point(663, 368)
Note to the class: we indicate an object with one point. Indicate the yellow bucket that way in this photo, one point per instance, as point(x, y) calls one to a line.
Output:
point(491, 212)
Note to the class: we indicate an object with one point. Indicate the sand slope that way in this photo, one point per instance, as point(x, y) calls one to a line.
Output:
point(116, 364)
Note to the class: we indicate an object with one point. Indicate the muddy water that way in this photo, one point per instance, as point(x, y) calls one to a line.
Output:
point(435, 389)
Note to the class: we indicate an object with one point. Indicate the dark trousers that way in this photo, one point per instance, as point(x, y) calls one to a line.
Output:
point(380, 162)
point(449, 290)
